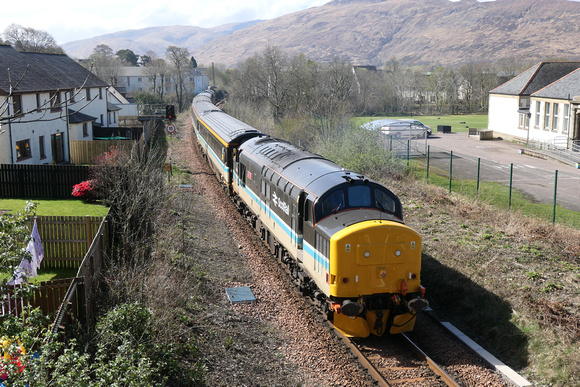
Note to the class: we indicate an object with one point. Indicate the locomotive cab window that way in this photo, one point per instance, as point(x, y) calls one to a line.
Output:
point(356, 196)
point(384, 201)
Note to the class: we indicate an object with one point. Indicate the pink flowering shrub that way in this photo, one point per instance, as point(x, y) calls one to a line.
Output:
point(84, 190)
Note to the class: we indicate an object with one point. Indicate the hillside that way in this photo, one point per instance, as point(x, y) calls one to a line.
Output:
point(372, 32)
point(156, 39)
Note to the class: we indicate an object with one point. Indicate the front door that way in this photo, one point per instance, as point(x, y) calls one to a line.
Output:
point(57, 145)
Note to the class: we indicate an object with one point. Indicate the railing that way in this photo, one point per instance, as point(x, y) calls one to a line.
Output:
point(561, 148)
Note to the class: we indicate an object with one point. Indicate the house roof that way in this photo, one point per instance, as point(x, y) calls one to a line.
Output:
point(536, 78)
point(112, 107)
point(75, 117)
point(566, 87)
point(33, 72)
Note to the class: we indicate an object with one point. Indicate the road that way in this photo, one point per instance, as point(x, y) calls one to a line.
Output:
point(533, 176)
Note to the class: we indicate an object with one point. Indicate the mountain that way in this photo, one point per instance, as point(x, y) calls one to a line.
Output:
point(371, 32)
point(156, 39)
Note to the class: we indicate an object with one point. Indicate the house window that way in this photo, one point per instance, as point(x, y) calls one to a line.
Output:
point(23, 150)
point(100, 93)
point(102, 120)
point(521, 121)
point(547, 116)
point(72, 93)
point(16, 105)
point(139, 80)
point(55, 100)
point(566, 123)
point(41, 147)
point(537, 123)
point(88, 94)
point(38, 101)
point(555, 117)
point(85, 129)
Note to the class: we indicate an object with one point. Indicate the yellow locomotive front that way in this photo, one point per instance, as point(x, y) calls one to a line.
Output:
point(375, 278)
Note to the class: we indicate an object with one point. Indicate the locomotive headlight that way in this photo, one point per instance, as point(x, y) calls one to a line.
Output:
point(367, 254)
point(344, 280)
point(398, 253)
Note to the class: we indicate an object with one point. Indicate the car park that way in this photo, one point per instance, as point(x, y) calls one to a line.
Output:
point(400, 128)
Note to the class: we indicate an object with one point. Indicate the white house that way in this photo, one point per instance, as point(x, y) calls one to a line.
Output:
point(47, 100)
point(541, 104)
point(133, 80)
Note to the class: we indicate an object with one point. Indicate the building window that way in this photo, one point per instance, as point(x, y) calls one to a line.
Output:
point(139, 80)
point(555, 117)
point(100, 93)
point(547, 116)
point(72, 93)
point(537, 123)
point(102, 120)
point(566, 122)
point(85, 129)
point(41, 147)
point(521, 121)
point(88, 94)
point(38, 102)
point(23, 150)
point(55, 100)
point(16, 105)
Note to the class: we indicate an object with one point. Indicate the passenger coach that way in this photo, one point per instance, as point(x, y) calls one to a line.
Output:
point(219, 135)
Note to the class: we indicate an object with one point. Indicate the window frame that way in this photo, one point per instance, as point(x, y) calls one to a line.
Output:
point(23, 145)
point(547, 116)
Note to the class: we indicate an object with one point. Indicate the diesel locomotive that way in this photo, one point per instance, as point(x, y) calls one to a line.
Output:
point(340, 234)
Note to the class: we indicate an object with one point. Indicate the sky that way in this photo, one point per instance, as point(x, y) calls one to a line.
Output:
point(70, 20)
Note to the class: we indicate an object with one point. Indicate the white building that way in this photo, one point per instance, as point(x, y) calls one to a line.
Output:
point(133, 80)
point(541, 104)
point(47, 100)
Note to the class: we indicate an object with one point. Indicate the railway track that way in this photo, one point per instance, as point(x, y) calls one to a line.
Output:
point(429, 356)
point(398, 361)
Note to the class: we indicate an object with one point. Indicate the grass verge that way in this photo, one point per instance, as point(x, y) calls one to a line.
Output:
point(50, 207)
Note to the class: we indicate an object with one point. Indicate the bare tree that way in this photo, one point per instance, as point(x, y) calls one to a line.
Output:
point(31, 40)
point(105, 64)
point(179, 58)
point(156, 70)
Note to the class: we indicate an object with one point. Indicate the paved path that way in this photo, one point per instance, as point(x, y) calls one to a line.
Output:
point(532, 175)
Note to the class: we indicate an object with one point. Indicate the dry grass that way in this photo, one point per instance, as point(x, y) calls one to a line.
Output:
point(510, 281)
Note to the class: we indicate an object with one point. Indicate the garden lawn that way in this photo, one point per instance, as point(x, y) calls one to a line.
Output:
point(458, 123)
point(48, 207)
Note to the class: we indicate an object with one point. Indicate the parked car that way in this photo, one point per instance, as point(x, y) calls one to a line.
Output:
point(405, 128)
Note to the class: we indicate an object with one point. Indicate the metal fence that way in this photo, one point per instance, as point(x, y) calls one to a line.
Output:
point(501, 184)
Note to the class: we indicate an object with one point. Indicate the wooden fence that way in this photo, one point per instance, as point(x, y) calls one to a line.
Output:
point(67, 299)
point(48, 297)
point(40, 181)
point(85, 152)
point(81, 297)
point(66, 239)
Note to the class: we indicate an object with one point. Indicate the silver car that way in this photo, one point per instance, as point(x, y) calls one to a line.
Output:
point(405, 128)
